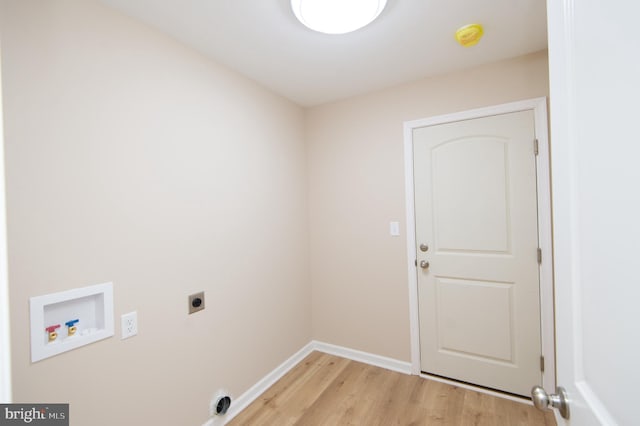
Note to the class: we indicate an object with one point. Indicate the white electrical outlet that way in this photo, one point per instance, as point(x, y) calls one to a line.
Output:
point(129, 324)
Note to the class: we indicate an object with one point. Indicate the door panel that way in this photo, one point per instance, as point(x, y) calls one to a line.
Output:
point(596, 206)
point(476, 209)
point(466, 309)
point(473, 217)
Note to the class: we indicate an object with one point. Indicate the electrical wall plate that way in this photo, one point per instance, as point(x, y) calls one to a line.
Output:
point(129, 325)
point(196, 302)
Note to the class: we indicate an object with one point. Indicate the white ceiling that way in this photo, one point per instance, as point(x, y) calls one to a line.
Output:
point(411, 39)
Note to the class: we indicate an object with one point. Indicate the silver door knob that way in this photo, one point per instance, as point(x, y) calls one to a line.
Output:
point(424, 264)
point(544, 401)
point(424, 247)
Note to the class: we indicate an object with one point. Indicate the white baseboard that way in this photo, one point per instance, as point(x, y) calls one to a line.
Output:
point(243, 401)
point(365, 357)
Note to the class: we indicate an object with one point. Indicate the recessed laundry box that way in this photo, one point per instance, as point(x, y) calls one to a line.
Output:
point(69, 319)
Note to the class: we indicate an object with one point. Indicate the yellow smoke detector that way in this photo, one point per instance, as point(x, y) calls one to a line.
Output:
point(469, 35)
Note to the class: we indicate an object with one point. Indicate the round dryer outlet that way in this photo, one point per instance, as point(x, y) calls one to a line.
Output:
point(220, 404)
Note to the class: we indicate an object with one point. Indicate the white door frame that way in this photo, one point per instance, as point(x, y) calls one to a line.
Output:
point(539, 107)
point(5, 342)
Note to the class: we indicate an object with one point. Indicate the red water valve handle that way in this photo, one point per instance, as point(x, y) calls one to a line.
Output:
point(52, 328)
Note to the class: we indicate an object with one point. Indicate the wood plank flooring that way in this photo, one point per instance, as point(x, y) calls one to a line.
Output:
point(327, 390)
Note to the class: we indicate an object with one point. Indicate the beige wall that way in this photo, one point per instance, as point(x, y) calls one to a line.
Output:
point(132, 159)
point(356, 187)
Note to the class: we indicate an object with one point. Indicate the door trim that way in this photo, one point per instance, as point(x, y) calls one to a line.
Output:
point(539, 107)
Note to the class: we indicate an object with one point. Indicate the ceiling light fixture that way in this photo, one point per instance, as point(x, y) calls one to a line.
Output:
point(337, 16)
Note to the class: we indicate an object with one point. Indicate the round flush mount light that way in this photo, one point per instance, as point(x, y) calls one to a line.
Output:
point(337, 16)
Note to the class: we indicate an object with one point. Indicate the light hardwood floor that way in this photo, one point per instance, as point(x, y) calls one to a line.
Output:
point(327, 390)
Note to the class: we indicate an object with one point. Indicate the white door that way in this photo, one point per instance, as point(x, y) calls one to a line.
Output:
point(476, 226)
point(594, 71)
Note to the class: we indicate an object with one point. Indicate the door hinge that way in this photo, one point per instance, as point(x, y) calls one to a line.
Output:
point(539, 255)
point(415, 262)
point(536, 149)
point(542, 363)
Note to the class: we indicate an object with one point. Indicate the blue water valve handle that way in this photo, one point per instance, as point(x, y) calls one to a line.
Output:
point(71, 327)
